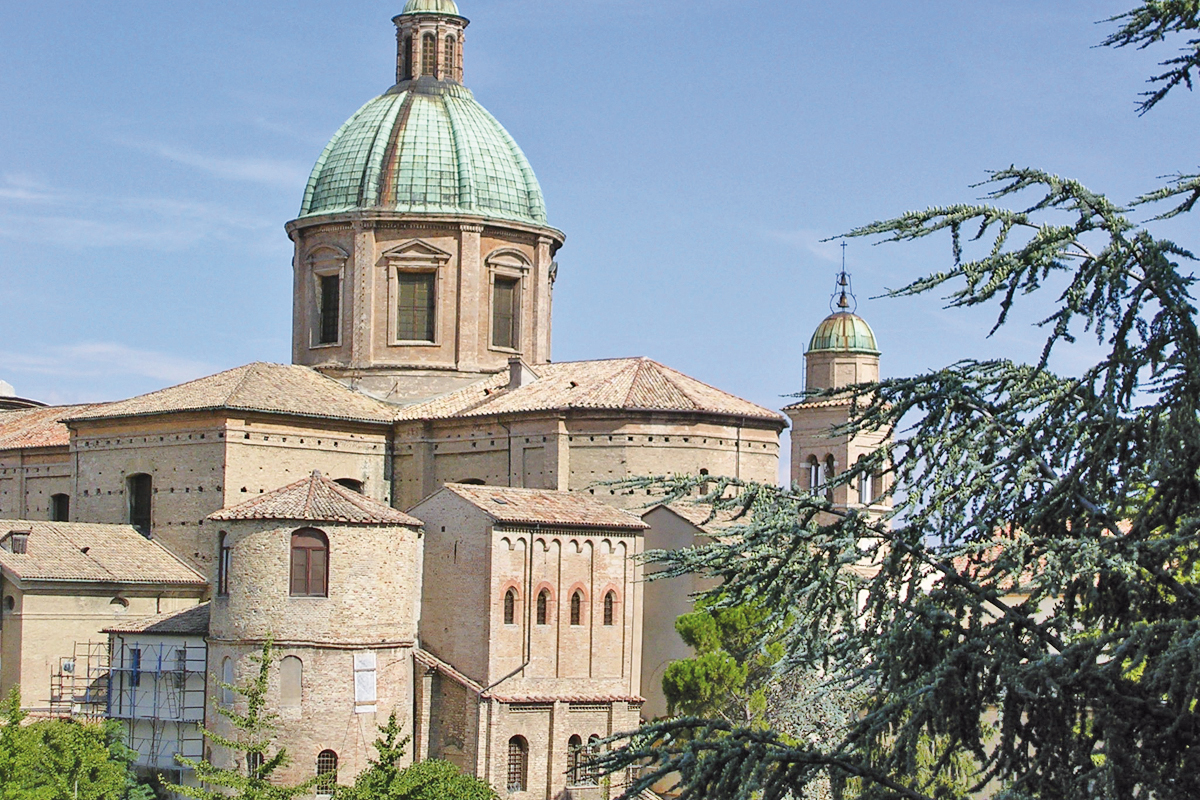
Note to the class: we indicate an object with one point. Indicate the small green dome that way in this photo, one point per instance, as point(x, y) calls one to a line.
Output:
point(430, 7)
point(426, 147)
point(844, 332)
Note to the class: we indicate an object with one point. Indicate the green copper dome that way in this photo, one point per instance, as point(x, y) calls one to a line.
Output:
point(430, 7)
point(426, 147)
point(844, 332)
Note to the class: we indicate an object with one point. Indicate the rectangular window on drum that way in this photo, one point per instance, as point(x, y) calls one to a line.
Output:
point(331, 309)
point(416, 307)
point(506, 299)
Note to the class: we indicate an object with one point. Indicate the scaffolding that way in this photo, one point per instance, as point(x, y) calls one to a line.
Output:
point(156, 688)
point(79, 686)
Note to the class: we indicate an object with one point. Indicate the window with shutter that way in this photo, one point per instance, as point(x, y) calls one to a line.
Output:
point(331, 310)
point(310, 564)
point(416, 311)
point(505, 316)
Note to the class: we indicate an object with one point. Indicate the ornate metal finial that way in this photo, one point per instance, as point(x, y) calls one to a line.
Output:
point(843, 298)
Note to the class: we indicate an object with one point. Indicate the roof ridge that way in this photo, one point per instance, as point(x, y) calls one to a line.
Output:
point(247, 371)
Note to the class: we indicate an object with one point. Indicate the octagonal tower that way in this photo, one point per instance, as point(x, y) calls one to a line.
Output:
point(423, 259)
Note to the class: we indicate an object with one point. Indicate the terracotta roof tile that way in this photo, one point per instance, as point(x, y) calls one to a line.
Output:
point(430, 661)
point(80, 552)
point(268, 388)
point(627, 384)
point(545, 507)
point(699, 515)
point(567, 698)
point(38, 427)
point(189, 622)
point(317, 499)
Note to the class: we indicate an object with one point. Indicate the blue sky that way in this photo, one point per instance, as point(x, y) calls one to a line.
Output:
point(694, 152)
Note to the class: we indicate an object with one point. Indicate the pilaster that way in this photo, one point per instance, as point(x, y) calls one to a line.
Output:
point(472, 324)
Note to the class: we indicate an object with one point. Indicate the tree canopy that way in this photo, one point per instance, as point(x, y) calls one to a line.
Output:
point(385, 779)
point(728, 677)
point(63, 759)
point(1032, 615)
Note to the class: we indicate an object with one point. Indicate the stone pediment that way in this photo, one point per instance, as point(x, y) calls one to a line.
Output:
point(418, 251)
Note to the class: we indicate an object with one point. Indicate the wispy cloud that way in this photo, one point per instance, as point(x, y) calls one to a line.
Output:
point(30, 211)
point(267, 171)
point(104, 359)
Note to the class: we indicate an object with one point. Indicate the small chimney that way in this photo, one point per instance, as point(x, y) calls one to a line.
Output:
point(519, 374)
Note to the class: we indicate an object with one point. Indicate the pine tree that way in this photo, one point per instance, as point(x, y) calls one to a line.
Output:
point(384, 779)
point(1034, 620)
point(729, 676)
point(256, 759)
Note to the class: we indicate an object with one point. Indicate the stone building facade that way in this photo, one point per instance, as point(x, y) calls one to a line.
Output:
point(502, 616)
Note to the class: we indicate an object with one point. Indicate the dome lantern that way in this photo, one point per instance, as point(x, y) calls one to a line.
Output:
point(843, 350)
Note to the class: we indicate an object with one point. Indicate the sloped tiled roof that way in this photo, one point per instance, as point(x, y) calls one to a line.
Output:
point(82, 552)
point(317, 499)
point(545, 507)
point(699, 515)
point(38, 427)
point(625, 384)
point(189, 622)
point(268, 388)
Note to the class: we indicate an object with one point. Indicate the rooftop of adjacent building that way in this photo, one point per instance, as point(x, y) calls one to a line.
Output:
point(544, 507)
point(317, 499)
point(189, 622)
point(622, 385)
point(79, 552)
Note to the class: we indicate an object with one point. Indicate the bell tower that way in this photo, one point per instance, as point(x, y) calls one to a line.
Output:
point(842, 353)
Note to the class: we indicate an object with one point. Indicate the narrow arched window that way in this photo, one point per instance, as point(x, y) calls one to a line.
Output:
point(518, 764)
point(814, 474)
point(593, 750)
point(543, 607)
point(406, 59)
point(429, 55)
point(141, 500)
point(448, 58)
point(510, 607)
point(224, 561)
point(310, 564)
point(575, 761)
point(327, 764)
point(865, 486)
point(830, 466)
point(610, 610)
point(60, 508)
point(227, 681)
point(577, 608)
point(291, 682)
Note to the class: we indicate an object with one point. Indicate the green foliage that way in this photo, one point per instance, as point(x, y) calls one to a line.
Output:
point(728, 677)
point(251, 745)
point(63, 760)
point(428, 780)
point(1031, 624)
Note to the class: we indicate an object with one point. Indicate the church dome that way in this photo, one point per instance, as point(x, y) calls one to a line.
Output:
point(844, 332)
point(425, 147)
point(430, 7)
